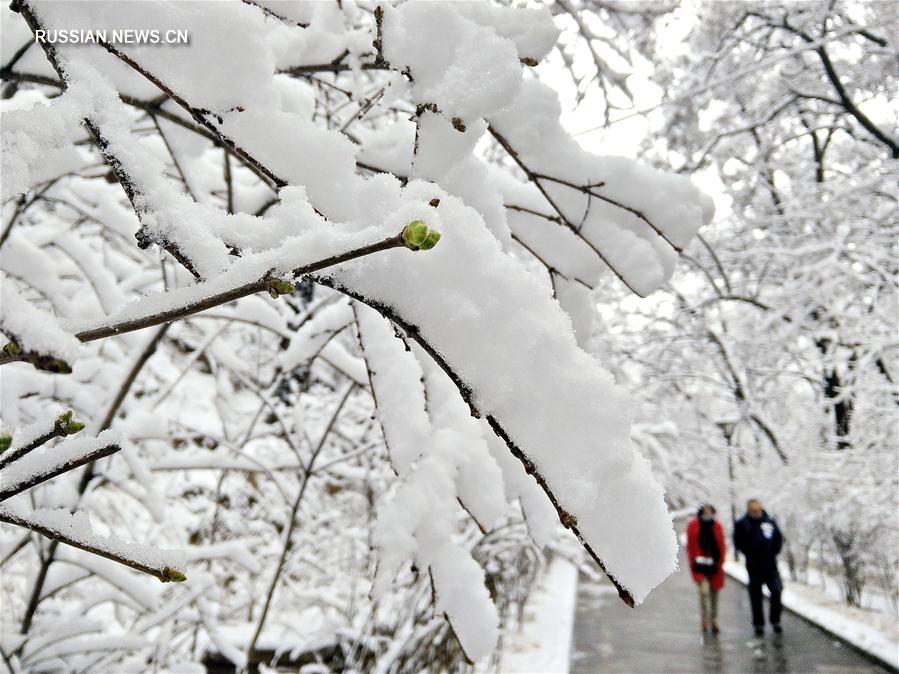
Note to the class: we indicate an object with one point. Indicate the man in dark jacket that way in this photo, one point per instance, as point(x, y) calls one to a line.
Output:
point(756, 535)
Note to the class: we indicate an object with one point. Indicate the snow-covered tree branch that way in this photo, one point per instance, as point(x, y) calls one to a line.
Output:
point(317, 152)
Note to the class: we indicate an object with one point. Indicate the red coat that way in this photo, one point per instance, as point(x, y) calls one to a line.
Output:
point(694, 551)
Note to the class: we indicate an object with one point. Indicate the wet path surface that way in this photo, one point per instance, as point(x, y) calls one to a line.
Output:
point(663, 635)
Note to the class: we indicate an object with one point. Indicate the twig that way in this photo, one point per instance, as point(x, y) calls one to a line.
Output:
point(20, 52)
point(200, 115)
point(563, 219)
point(24, 8)
point(330, 68)
point(35, 480)
point(152, 108)
point(229, 184)
point(87, 475)
point(259, 285)
point(275, 15)
point(292, 523)
point(63, 425)
point(166, 574)
point(549, 268)
point(830, 71)
point(196, 306)
point(175, 161)
point(588, 189)
point(22, 204)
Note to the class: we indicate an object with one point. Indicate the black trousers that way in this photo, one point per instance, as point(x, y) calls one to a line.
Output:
point(775, 585)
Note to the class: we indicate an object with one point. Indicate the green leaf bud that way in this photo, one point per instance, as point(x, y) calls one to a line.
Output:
point(278, 287)
point(414, 234)
point(173, 575)
point(568, 520)
point(74, 427)
point(430, 240)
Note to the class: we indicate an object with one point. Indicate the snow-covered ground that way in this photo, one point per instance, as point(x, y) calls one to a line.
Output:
point(874, 632)
point(543, 643)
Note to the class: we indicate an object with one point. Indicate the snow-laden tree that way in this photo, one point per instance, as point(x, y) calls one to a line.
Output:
point(221, 257)
point(783, 316)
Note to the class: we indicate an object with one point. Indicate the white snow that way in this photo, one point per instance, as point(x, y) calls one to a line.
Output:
point(37, 142)
point(34, 330)
point(28, 434)
point(466, 69)
point(531, 29)
point(312, 336)
point(544, 641)
point(295, 252)
point(422, 416)
point(46, 459)
point(77, 527)
point(643, 255)
point(544, 390)
point(509, 345)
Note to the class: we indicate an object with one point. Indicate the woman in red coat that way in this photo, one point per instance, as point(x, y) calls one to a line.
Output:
point(705, 550)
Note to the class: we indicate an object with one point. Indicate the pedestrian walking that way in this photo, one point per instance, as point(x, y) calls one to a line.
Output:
point(705, 550)
point(758, 537)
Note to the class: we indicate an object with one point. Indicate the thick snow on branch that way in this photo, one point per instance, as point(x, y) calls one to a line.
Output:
point(246, 276)
point(37, 142)
point(531, 30)
point(25, 439)
point(498, 329)
point(33, 330)
point(490, 320)
point(438, 462)
point(634, 217)
point(479, 480)
point(396, 381)
point(466, 70)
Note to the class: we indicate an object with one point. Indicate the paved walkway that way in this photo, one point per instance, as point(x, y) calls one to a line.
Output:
point(663, 635)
